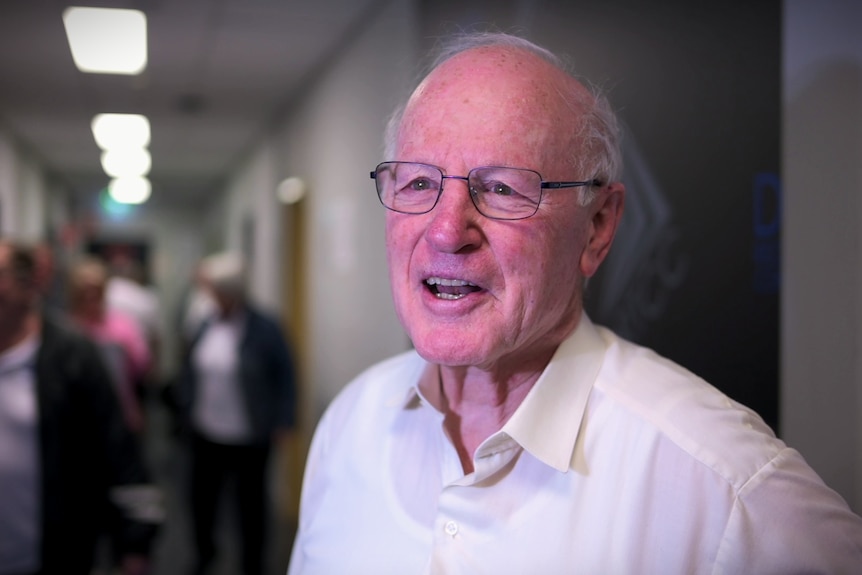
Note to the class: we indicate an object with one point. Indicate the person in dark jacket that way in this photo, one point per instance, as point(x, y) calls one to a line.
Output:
point(238, 395)
point(70, 469)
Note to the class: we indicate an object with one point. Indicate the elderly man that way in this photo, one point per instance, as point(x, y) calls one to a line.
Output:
point(66, 455)
point(519, 437)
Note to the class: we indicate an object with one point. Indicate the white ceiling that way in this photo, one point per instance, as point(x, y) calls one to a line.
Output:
point(220, 73)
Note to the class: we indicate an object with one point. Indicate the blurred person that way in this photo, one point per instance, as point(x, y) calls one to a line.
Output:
point(238, 397)
point(518, 436)
point(119, 335)
point(66, 455)
point(128, 293)
point(198, 306)
point(48, 281)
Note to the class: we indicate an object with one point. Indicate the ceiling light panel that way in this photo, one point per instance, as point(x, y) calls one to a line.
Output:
point(126, 162)
point(130, 190)
point(121, 131)
point(107, 40)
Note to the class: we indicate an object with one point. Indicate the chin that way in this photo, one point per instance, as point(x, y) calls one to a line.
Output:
point(449, 352)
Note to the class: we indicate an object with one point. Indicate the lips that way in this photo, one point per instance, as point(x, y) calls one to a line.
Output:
point(450, 288)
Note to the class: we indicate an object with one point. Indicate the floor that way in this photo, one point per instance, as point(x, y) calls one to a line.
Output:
point(173, 550)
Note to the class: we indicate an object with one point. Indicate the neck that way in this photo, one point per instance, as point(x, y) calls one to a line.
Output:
point(477, 404)
point(230, 308)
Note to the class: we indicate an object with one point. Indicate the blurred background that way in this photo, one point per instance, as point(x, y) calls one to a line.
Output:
point(739, 252)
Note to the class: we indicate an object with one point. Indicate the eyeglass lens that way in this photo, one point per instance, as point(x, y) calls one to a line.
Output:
point(497, 192)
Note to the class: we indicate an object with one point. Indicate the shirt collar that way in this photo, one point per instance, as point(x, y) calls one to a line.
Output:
point(548, 422)
point(412, 398)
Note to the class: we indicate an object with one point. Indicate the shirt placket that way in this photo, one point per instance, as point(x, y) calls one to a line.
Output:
point(458, 524)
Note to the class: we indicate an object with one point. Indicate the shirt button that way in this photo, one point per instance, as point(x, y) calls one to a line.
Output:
point(451, 528)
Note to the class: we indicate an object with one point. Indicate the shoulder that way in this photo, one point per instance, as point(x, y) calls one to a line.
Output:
point(60, 334)
point(67, 353)
point(381, 388)
point(259, 320)
point(670, 402)
point(388, 380)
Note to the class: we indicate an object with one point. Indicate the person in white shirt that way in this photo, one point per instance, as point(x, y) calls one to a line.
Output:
point(519, 437)
point(237, 395)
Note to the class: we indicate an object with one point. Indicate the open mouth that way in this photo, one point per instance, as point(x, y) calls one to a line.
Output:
point(450, 288)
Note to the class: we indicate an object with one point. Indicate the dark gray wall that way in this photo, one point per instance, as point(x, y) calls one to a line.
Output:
point(694, 271)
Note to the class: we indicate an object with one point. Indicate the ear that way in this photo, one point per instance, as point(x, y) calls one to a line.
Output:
point(605, 210)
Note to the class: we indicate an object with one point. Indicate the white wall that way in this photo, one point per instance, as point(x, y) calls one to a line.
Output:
point(253, 224)
point(337, 140)
point(821, 407)
point(33, 206)
point(8, 183)
point(332, 139)
point(23, 203)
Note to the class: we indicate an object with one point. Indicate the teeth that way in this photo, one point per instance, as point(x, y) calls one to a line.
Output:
point(449, 295)
point(448, 282)
point(435, 281)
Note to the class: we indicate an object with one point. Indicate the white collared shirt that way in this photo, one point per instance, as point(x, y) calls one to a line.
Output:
point(219, 412)
point(617, 462)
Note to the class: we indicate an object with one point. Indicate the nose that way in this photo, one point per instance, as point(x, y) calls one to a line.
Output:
point(455, 220)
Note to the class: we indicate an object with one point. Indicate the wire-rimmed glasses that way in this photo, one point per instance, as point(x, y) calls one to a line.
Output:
point(498, 192)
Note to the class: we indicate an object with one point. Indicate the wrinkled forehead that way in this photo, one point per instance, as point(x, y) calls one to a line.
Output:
point(498, 94)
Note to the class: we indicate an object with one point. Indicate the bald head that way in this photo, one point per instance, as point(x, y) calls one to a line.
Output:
point(501, 87)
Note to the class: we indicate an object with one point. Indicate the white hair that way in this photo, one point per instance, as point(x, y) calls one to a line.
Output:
point(224, 272)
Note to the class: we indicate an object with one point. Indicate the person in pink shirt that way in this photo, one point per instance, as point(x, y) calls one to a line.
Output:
point(119, 335)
